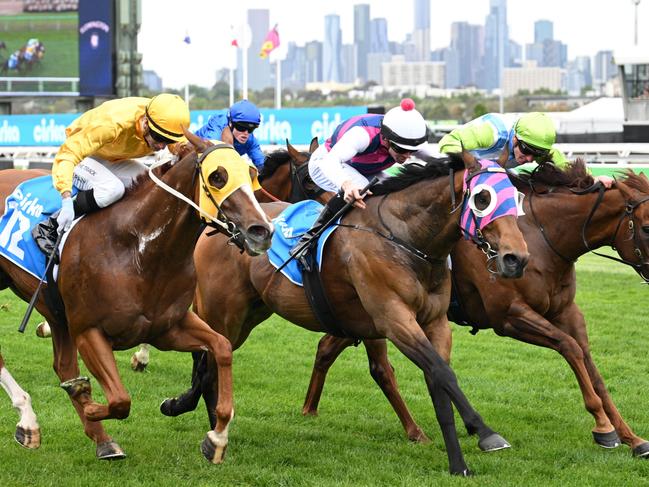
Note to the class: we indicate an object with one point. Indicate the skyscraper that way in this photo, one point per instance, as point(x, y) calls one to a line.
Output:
point(258, 68)
point(543, 30)
point(464, 56)
point(361, 38)
point(496, 43)
point(331, 49)
point(604, 68)
point(421, 34)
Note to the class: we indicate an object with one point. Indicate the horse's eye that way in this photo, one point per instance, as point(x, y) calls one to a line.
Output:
point(218, 178)
point(482, 200)
point(645, 230)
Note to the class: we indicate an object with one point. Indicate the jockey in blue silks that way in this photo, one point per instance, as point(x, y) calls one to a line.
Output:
point(242, 119)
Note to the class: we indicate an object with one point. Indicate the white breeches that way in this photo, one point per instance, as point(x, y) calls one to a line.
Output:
point(320, 174)
point(109, 180)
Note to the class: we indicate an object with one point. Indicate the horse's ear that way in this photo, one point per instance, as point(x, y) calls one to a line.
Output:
point(200, 144)
point(470, 162)
point(294, 153)
point(314, 145)
point(504, 156)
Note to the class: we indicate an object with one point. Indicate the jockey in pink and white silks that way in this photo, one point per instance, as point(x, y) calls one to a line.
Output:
point(360, 147)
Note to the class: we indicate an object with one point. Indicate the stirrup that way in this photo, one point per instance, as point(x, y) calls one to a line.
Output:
point(45, 235)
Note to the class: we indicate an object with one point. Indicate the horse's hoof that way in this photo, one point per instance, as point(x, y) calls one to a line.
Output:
point(110, 450)
point(463, 473)
point(28, 438)
point(642, 450)
point(493, 442)
point(607, 440)
point(136, 365)
point(74, 387)
point(169, 407)
point(419, 437)
point(43, 330)
point(213, 447)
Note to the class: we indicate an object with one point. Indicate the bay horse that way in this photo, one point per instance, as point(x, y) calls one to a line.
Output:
point(540, 307)
point(134, 262)
point(376, 287)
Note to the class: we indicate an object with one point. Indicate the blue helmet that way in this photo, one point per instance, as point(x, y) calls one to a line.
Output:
point(244, 111)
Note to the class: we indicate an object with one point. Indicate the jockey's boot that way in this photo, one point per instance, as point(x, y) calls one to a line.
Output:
point(333, 206)
point(45, 233)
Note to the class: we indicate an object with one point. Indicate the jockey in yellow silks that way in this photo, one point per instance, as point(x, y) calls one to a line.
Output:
point(100, 145)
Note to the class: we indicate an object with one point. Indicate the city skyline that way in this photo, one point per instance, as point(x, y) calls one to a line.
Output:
point(212, 33)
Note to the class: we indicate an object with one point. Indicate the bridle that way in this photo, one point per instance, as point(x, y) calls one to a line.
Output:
point(222, 222)
point(629, 210)
point(299, 174)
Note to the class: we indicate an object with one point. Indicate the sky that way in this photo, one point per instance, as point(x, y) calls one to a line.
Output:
point(586, 26)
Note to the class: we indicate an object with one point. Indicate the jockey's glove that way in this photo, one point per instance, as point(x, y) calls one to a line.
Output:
point(66, 216)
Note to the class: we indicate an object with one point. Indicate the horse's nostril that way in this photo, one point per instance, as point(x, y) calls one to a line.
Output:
point(259, 233)
point(511, 260)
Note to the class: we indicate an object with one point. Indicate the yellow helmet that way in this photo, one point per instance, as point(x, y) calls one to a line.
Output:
point(167, 115)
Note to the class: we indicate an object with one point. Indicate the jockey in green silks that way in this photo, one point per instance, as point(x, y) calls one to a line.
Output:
point(530, 138)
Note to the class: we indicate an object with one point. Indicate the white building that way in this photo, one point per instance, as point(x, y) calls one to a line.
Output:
point(398, 72)
point(531, 78)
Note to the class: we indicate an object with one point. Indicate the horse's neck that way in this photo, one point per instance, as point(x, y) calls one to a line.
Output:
point(421, 214)
point(151, 213)
point(568, 234)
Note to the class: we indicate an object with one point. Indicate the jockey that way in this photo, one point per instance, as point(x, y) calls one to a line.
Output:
point(529, 138)
point(362, 146)
point(100, 145)
point(14, 60)
point(241, 120)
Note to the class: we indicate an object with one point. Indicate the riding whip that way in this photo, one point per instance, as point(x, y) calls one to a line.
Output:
point(315, 236)
point(32, 302)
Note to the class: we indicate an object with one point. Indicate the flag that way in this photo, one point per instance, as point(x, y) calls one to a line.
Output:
point(270, 43)
point(234, 42)
point(187, 40)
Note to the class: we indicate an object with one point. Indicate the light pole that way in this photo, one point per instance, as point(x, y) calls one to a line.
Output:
point(636, 3)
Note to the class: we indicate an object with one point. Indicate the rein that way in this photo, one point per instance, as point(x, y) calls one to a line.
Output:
point(628, 212)
point(298, 191)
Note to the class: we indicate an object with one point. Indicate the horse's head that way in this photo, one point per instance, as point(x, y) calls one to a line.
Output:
point(489, 213)
point(632, 233)
point(226, 193)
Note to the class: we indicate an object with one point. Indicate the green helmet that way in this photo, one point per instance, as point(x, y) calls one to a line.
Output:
point(536, 129)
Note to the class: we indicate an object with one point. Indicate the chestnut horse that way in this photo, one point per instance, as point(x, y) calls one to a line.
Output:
point(134, 262)
point(539, 308)
point(398, 289)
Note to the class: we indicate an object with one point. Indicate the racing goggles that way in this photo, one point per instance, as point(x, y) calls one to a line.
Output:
point(400, 150)
point(159, 138)
point(530, 150)
point(244, 126)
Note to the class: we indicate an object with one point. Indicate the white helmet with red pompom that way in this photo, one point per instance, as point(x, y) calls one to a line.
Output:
point(404, 126)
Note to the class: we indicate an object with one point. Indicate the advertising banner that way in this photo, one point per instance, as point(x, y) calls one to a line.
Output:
point(95, 47)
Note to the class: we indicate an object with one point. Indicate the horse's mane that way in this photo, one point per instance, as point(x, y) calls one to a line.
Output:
point(433, 167)
point(574, 176)
point(141, 179)
point(272, 161)
point(635, 181)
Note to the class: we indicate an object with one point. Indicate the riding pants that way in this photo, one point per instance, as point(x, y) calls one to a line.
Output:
point(322, 175)
point(108, 180)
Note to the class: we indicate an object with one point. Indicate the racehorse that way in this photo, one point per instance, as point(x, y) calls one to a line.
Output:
point(540, 307)
point(134, 262)
point(284, 177)
point(378, 288)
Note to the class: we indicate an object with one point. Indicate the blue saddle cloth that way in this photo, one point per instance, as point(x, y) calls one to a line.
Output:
point(289, 227)
point(29, 204)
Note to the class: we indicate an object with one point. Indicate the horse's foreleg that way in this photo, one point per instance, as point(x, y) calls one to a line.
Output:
point(329, 349)
point(98, 356)
point(572, 321)
point(188, 400)
point(28, 432)
point(140, 359)
point(67, 369)
point(194, 334)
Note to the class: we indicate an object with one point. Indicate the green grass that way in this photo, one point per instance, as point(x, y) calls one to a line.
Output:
point(526, 393)
point(58, 32)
